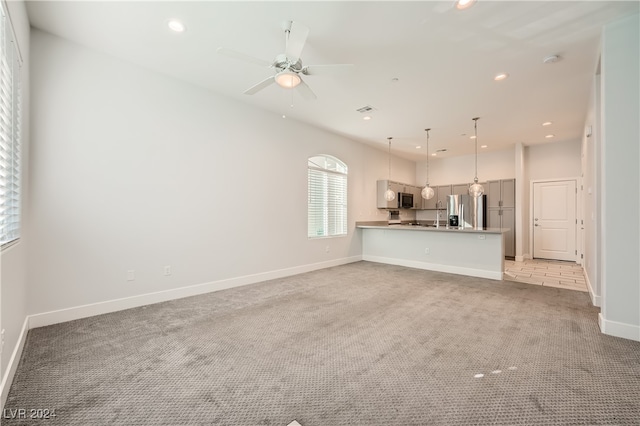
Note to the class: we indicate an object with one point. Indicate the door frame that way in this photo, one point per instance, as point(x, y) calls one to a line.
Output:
point(577, 180)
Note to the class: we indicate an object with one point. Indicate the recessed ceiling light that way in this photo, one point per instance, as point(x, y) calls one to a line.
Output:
point(284, 116)
point(176, 25)
point(472, 137)
point(550, 136)
point(464, 4)
point(501, 76)
point(366, 117)
point(483, 146)
point(547, 123)
point(418, 147)
point(434, 154)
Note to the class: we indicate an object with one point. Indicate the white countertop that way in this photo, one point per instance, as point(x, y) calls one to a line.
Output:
point(442, 228)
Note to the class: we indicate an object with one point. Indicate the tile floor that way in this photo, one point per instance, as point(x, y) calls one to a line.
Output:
point(549, 273)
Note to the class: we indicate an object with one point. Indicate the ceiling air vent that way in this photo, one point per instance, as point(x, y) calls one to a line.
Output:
point(442, 150)
point(366, 109)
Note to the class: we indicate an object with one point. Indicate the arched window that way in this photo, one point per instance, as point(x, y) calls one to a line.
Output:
point(327, 198)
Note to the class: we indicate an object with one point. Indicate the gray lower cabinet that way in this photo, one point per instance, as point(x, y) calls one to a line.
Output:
point(504, 218)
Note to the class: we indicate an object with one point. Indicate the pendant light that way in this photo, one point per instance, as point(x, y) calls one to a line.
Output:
point(427, 191)
point(476, 190)
point(389, 195)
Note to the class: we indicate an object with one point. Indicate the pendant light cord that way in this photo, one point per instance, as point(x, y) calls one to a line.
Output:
point(475, 127)
point(427, 130)
point(389, 184)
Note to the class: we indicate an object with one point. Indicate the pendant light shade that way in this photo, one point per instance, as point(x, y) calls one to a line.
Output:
point(476, 190)
point(427, 192)
point(389, 194)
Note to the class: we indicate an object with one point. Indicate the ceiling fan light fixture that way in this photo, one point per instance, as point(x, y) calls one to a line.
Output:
point(288, 79)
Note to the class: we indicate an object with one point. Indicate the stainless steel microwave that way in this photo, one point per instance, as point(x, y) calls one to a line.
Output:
point(405, 200)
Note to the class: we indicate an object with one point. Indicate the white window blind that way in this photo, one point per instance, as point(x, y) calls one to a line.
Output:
point(327, 197)
point(10, 115)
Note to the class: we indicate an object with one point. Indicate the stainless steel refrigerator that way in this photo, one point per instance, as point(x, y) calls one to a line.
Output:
point(465, 211)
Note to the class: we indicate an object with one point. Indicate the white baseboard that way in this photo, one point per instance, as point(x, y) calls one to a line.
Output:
point(519, 258)
point(481, 273)
point(7, 379)
point(77, 312)
point(619, 329)
point(595, 298)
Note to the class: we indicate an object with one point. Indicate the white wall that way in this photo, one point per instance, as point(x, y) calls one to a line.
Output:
point(553, 160)
point(13, 261)
point(132, 170)
point(491, 166)
point(620, 178)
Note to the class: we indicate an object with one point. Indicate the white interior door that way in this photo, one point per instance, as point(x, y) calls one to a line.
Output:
point(554, 220)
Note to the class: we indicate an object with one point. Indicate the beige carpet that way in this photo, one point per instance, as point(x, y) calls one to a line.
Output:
point(360, 344)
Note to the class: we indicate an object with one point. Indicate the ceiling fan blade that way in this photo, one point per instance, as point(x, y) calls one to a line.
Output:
point(295, 41)
point(305, 91)
point(243, 57)
point(258, 87)
point(329, 69)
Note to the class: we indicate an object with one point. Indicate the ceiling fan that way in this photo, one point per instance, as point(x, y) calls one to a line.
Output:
point(288, 65)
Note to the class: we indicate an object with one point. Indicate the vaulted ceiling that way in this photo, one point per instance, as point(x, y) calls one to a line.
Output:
point(417, 64)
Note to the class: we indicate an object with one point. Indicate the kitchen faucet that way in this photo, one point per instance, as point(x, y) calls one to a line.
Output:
point(438, 207)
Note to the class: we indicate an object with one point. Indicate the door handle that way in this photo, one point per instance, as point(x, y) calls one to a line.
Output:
point(536, 224)
point(536, 219)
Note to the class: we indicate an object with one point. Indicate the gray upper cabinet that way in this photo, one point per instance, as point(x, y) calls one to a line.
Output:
point(509, 193)
point(417, 196)
point(443, 191)
point(396, 187)
point(461, 189)
point(501, 193)
point(382, 203)
point(492, 189)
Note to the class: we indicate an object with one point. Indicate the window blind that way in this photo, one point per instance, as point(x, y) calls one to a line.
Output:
point(10, 116)
point(327, 197)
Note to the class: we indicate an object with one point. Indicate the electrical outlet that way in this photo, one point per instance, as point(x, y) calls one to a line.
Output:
point(427, 251)
point(327, 249)
point(167, 270)
point(482, 237)
point(131, 275)
point(1, 340)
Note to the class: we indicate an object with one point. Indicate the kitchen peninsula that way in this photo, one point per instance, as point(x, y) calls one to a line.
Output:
point(471, 252)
